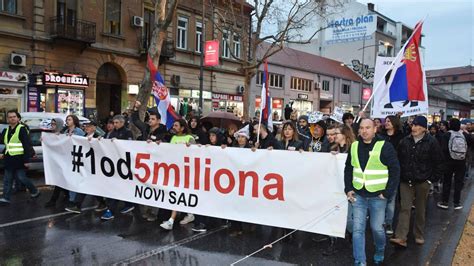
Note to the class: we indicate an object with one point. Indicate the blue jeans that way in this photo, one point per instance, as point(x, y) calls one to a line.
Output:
point(350, 219)
point(8, 182)
point(390, 210)
point(376, 207)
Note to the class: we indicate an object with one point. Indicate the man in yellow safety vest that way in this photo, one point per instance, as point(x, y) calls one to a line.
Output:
point(371, 175)
point(15, 155)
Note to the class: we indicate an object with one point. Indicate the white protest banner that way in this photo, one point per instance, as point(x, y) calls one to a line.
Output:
point(314, 117)
point(382, 106)
point(287, 189)
point(337, 114)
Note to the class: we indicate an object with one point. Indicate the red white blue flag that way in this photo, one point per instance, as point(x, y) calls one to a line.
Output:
point(162, 97)
point(266, 103)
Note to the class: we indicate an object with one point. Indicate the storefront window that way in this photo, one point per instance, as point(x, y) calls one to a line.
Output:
point(303, 107)
point(7, 104)
point(71, 101)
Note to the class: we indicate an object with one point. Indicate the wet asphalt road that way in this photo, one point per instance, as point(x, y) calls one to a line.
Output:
point(31, 234)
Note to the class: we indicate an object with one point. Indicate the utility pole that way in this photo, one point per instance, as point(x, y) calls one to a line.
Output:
point(201, 68)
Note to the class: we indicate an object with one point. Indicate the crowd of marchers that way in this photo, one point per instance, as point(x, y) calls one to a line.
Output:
point(393, 166)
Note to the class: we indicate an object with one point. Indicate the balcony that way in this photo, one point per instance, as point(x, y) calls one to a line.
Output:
point(74, 30)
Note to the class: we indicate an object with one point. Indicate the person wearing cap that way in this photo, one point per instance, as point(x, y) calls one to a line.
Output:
point(242, 137)
point(421, 164)
point(319, 141)
point(371, 176)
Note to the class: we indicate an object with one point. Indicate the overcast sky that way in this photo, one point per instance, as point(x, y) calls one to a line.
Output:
point(448, 29)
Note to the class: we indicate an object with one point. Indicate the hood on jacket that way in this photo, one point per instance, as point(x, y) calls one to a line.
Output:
point(59, 124)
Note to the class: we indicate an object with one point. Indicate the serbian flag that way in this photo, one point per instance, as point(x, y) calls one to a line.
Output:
point(405, 79)
point(162, 97)
point(266, 103)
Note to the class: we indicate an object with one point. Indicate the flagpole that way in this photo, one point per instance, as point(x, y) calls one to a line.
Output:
point(390, 67)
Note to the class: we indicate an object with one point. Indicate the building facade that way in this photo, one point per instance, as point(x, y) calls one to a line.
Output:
point(444, 105)
point(355, 34)
point(457, 80)
point(308, 82)
point(88, 57)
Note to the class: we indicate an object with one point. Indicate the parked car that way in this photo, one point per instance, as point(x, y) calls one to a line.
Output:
point(36, 161)
point(43, 120)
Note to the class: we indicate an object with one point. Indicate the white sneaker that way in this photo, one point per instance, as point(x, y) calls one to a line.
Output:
point(187, 219)
point(167, 225)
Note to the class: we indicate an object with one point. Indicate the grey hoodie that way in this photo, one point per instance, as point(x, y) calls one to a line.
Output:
point(59, 124)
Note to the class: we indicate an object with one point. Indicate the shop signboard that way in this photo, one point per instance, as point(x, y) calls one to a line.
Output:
point(68, 80)
point(13, 76)
point(33, 99)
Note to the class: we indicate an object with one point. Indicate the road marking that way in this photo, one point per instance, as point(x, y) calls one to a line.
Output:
point(157, 251)
point(40, 218)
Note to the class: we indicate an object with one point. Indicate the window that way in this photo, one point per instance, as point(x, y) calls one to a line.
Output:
point(236, 45)
point(148, 22)
point(66, 12)
point(113, 15)
point(182, 33)
point(301, 84)
point(198, 37)
point(225, 44)
point(8, 6)
point(274, 80)
point(325, 85)
point(346, 89)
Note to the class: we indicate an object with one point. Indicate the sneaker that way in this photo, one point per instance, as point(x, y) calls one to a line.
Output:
point(73, 209)
point(4, 200)
point(35, 195)
point(419, 240)
point(457, 206)
point(443, 205)
point(187, 219)
point(167, 225)
point(151, 218)
point(360, 263)
point(199, 228)
point(127, 209)
point(399, 242)
point(102, 207)
point(319, 238)
point(107, 215)
point(388, 229)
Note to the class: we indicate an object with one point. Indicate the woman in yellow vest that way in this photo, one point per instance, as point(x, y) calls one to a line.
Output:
point(182, 136)
point(16, 156)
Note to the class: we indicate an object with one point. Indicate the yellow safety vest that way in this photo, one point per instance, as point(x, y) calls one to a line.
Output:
point(375, 175)
point(181, 139)
point(14, 146)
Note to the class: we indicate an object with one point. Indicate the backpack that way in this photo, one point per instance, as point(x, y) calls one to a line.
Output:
point(457, 145)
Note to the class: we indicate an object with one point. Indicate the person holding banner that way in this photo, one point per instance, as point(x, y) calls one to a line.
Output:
point(371, 176)
point(304, 134)
point(319, 141)
point(119, 132)
point(267, 140)
point(182, 136)
point(289, 138)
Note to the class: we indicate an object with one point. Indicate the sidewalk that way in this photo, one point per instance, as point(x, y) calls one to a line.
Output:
point(465, 251)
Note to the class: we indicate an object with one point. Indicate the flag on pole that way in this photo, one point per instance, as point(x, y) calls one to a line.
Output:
point(266, 103)
point(162, 97)
point(402, 85)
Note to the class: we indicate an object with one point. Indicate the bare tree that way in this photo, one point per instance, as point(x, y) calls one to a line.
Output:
point(164, 12)
point(275, 23)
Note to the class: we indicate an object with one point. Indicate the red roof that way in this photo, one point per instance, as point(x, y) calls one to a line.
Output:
point(449, 71)
point(292, 58)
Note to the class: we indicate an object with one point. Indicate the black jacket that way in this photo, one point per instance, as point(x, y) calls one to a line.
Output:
point(270, 141)
point(420, 161)
point(147, 134)
point(394, 139)
point(296, 144)
point(319, 145)
point(17, 161)
point(122, 133)
point(388, 157)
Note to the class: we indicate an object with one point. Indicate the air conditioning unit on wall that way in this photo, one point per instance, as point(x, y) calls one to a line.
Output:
point(17, 60)
point(137, 21)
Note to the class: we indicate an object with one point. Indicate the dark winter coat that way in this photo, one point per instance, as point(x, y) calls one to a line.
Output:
point(420, 161)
